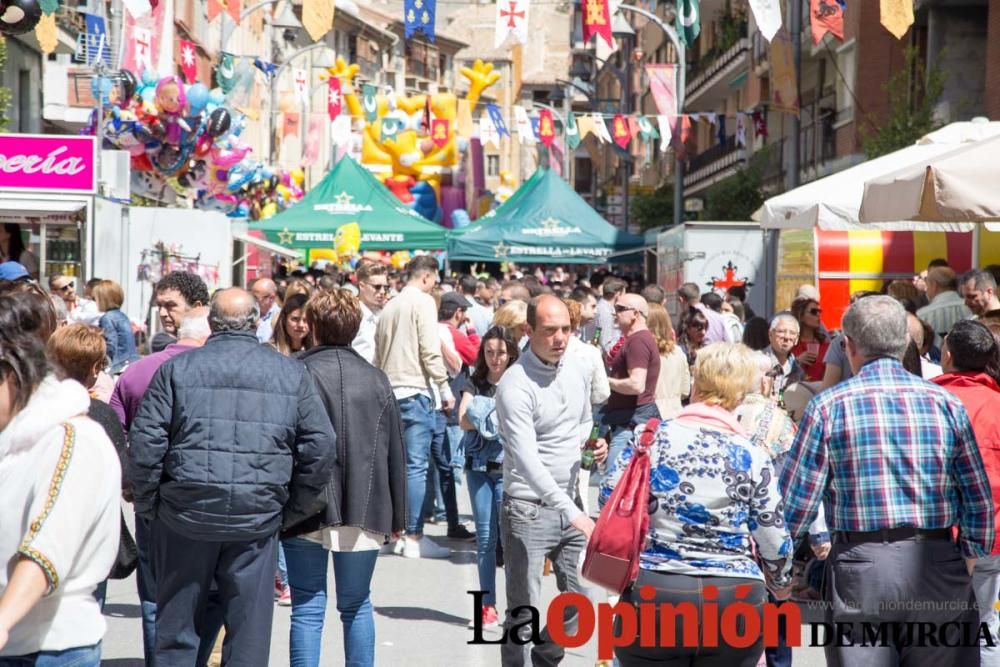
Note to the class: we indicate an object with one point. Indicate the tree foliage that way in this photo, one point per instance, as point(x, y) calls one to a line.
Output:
point(654, 209)
point(5, 95)
point(914, 93)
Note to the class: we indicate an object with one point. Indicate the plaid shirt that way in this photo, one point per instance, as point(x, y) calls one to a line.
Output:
point(887, 449)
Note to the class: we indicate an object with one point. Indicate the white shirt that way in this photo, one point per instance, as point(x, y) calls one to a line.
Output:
point(481, 316)
point(60, 509)
point(266, 327)
point(592, 361)
point(364, 342)
point(86, 312)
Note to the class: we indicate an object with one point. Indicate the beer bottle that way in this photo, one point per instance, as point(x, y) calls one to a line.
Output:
point(587, 458)
point(596, 340)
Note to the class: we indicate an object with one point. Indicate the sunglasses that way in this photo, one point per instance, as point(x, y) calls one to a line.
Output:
point(815, 311)
point(378, 288)
point(66, 287)
point(625, 309)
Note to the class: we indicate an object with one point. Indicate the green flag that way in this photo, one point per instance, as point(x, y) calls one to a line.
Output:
point(646, 130)
point(688, 21)
point(572, 132)
point(370, 102)
point(225, 72)
point(391, 127)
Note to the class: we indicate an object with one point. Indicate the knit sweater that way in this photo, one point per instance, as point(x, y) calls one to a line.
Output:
point(544, 418)
point(407, 343)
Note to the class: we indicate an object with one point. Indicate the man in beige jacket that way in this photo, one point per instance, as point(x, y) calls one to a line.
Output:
point(408, 349)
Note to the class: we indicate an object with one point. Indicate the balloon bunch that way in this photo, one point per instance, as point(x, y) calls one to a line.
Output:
point(186, 136)
point(19, 16)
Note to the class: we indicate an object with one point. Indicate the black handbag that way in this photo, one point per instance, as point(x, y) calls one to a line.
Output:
point(128, 554)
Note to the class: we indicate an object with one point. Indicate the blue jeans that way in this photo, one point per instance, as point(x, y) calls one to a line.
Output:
point(84, 656)
point(146, 585)
point(486, 494)
point(417, 413)
point(623, 435)
point(352, 572)
point(455, 435)
point(282, 567)
point(440, 475)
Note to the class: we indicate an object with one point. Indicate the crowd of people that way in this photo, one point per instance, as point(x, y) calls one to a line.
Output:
point(317, 413)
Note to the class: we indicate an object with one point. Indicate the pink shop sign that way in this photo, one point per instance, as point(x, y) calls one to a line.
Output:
point(48, 162)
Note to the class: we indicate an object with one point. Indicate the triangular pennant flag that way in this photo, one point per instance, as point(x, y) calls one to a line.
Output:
point(722, 129)
point(267, 68)
point(439, 132)
point(334, 98)
point(512, 19)
point(390, 127)
point(759, 124)
point(826, 16)
point(524, 131)
point(534, 128)
point(689, 18)
point(137, 8)
point(664, 124)
point(464, 119)
point(573, 137)
point(597, 21)
point(47, 33)
point(585, 126)
point(896, 16)
point(694, 117)
point(712, 118)
point(419, 15)
point(225, 72)
point(620, 131)
point(488, 131)
point(546, 128)
point(300, 77)
point(767, 15)
point(633, 127)
point(234, 8)
point(214, 8)
point(188, 60)
point(317, 17)
point(498, 123)
point(646, 129)
point(369, 102)
point(601, 130)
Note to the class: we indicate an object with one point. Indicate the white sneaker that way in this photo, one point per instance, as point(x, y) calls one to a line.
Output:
point(423, 548)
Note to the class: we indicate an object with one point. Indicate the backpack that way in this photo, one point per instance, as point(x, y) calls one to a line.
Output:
point(612, 558)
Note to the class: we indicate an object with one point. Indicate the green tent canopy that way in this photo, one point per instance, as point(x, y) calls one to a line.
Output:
point(350, 193)
point(547, 223)
point(517, 195)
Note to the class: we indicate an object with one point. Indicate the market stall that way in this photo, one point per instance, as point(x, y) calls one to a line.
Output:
point(546, 223)
point(351, 194)
point(47, 189)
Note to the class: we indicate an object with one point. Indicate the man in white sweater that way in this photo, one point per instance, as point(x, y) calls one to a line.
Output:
point(544, 415)
point(408, 349)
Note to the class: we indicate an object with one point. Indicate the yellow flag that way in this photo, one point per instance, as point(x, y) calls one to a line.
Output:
point(317, 17)
point(897, 16)
point(585, 125)
point(46, 33)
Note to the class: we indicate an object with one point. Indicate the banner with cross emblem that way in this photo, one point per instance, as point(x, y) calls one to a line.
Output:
point(512, 19)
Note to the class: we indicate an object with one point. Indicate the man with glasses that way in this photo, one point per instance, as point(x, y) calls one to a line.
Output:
point(633, 369)
point(373, 292)
point(80, 310)
point(784, 335)
point(266, 293)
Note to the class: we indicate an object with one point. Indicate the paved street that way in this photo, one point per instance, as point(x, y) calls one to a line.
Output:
point(421, 613)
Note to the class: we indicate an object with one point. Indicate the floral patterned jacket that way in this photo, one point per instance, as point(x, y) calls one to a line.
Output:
point(711, 491)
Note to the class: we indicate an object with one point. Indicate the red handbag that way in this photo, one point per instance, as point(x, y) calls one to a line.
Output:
point(612, 558)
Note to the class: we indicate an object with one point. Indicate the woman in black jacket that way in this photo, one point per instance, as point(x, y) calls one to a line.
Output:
point(366, 496)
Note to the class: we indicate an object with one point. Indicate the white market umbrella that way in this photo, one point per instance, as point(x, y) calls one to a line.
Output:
point(950, 190)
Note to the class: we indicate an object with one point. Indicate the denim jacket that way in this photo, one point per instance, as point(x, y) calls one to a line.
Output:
point(482, 445)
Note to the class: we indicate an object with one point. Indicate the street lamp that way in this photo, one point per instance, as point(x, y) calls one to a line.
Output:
point(681, 75)
point(623, 32)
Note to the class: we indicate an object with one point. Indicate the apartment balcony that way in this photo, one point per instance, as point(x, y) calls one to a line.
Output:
point(68, 100)
point(713, 76)
point(712, 165)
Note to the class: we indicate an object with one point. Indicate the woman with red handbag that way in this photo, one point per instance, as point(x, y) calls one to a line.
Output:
point(710, 491)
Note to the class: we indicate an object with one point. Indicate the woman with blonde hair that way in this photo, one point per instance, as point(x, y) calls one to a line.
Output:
point(513, 315)
point(711, 490)
point(115, 324)
point(674, 382)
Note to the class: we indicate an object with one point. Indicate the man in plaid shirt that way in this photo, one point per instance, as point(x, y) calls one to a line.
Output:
point(896, 461)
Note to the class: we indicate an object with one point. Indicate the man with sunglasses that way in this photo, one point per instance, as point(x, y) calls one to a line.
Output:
point(633, 369)
point(373, 292)
point(79, 309)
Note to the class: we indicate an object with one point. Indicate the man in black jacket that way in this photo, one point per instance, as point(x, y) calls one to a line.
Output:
point(228, 437)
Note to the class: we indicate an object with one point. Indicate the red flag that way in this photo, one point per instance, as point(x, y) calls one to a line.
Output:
point(620, 133)
point(234, 8)
point(546, 128)
point(334, 101)
point(215, 7)
point(597, 21)
point(439, 131)
point(826, 16)
point(188, 60)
